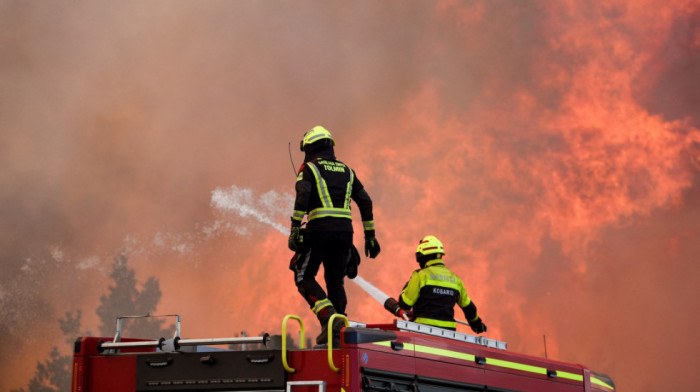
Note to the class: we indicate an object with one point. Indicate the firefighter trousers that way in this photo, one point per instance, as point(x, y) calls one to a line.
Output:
point(332, 249)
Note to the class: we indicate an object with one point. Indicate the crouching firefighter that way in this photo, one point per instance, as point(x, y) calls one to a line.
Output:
point(433, 290)
point(324, 188)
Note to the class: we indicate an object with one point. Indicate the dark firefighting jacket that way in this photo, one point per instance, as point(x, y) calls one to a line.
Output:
point(324, 189)
point(432, 292)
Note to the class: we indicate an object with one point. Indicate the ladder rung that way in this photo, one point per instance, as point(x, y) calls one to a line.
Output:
point(217, 341)
point(177, 342)
point(118, 345)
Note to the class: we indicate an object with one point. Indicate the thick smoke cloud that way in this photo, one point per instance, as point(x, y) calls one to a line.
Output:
point(553, 147)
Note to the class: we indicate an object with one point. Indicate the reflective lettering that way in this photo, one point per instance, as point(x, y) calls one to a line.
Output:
point(443, 291)
point(445, 278)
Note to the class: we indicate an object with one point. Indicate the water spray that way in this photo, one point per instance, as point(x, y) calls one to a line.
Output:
point(265, 208)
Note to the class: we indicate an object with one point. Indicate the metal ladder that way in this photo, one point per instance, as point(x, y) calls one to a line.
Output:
point(404, 325)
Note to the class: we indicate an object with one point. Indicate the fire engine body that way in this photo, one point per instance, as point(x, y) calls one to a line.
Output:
point(399, 357)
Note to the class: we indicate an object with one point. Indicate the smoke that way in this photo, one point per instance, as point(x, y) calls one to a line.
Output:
point(553, 148)
point(266, 209)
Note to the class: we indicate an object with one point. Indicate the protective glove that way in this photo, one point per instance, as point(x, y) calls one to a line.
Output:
point(353, 263)
point(392, 306)
point(372, 248)
point(293, 241)
point(477, 325)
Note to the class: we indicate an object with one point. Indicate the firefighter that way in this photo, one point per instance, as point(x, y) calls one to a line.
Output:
point(433, 290)
point(324, 188)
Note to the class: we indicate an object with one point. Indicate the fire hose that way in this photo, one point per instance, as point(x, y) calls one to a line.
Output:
point(379, 295)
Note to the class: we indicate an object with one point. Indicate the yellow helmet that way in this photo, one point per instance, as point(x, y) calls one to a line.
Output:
point(429, 248)
point(315, 134)
point(430, 245)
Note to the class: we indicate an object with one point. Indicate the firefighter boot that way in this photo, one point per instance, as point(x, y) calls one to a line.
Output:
point(338, 324)
point(322, 338)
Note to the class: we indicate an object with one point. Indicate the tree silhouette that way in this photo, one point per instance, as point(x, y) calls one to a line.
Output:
point(54, 374)
point(124, 299)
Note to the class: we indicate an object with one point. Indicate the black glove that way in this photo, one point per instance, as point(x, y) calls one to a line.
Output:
point(372, 248)
point(392, 306)
point(293, 241)
point(353, 263)
point(477, 325)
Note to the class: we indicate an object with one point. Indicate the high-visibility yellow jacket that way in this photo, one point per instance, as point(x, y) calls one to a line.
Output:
point(432, 292)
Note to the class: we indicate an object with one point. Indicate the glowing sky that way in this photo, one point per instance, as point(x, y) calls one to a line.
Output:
point(554, 148)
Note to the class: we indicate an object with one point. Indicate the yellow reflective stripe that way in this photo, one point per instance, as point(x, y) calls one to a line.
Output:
point(494, 362)
point(437, 323)
point(570, 376)
point(330, 212)
point(321, 186)
point(348, 190)
point(442, 283)
point(324, 303)
point(368, 225)
point(313, 138)
point(602, 383)
point(444, 353)
point(516, 366)
point(298, 215)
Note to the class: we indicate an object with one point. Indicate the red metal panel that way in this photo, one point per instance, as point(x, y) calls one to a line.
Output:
point(442, 358)
point(450, 371)
point(312, 365)
point(448, 367)
point(112, 374)
point(79, 376)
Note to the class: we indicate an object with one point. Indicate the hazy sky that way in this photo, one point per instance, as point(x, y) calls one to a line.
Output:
point(554, 148)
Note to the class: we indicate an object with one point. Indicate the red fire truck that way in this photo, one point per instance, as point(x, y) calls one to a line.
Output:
point(399, 357)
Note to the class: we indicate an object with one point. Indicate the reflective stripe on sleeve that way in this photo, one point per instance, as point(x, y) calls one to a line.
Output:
point(298, 215)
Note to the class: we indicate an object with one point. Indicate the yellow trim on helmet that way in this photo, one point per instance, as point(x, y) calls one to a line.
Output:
point(315, 134)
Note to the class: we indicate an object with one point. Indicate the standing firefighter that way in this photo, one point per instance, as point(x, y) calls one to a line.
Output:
point(433, 290)
point(324, 188)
